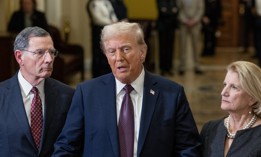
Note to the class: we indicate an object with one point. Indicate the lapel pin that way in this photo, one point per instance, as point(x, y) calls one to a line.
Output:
point(152, 92)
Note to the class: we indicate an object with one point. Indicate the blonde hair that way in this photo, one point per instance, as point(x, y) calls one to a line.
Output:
point(119, 28)
point(250, 80)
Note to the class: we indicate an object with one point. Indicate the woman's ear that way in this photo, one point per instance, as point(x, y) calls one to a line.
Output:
point(252, 101)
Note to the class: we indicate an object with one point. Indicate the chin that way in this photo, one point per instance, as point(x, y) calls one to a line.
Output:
point(123, 80)
point(47, 74)
point(224, 107)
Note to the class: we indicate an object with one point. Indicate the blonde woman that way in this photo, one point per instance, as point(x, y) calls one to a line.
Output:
point(238, 134)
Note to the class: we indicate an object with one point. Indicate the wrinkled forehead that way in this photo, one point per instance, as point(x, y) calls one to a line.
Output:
point(231, 76)
point(45, 41)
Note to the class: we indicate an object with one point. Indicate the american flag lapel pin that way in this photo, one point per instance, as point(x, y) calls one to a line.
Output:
point(152, 92)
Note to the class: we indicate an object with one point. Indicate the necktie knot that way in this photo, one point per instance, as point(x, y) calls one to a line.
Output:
point(128, 88)
point(34, 90)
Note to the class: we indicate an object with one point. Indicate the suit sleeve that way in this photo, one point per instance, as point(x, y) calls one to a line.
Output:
point(188, 142)
point(70, 141)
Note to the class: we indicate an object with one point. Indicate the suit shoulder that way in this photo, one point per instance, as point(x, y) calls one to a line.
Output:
point(60, 85)
point(39, 12)
point(3, 86)
point(6, 84)
point(17, 13)
point(210, 125)
point(103, 79)
point(164, 82)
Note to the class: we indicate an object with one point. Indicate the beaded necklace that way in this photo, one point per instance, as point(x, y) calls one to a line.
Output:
point(249, 125)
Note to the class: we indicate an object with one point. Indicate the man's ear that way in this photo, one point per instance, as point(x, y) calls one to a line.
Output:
point(19, 57)
point(143, 53)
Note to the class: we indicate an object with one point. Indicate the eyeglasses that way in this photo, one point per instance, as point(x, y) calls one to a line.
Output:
point(41, 52)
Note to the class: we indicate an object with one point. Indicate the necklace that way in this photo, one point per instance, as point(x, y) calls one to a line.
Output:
point(249, 125)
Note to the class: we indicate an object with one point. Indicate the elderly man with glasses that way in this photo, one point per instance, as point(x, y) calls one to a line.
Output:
point(33, 106)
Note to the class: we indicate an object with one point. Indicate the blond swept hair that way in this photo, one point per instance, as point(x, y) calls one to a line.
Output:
point(250, 80)
point(119, 28)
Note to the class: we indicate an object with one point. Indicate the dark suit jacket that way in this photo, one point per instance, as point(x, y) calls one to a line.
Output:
point(167, 15)
point(213, 10)
point(247, 142)
point(167, 128)
point(15, 135)
point(17, 21)
point(120, 9)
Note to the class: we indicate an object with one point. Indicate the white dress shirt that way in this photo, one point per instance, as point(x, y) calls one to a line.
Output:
point(136, 97)
point(27, 95)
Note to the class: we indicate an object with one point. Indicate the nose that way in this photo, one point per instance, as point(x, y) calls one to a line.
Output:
point(224, 91)
point(48, 57)
point(118, 55)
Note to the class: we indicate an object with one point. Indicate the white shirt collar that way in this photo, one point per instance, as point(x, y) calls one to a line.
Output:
point(26, 86)
point(137, 84)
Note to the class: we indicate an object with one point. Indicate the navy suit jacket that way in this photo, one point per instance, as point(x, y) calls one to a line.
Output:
point(15, 135)
point(167, 127)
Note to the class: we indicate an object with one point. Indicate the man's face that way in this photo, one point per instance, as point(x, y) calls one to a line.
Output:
point(125, 57)
point(32, 66)
point(27, 6)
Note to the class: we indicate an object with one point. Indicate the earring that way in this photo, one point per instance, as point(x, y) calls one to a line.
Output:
point(250, 112)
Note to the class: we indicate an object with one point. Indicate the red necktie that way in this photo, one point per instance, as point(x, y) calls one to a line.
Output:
point(36, 117)
point(126, 124)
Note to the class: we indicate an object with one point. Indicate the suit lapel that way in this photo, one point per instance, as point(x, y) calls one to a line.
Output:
point(17, 106)
point(50, 100)
point(149, 102)
point(109, 108)
point(221, 134)
point(150, 95)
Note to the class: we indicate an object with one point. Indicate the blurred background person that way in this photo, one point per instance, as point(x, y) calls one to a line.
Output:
point(27, 16)
point(257, 29)
point(120, 9)
point(239, 134)
point(248, 23)
point(101, 13)
point(211, 20)
point(166, 25)
point(190, 16)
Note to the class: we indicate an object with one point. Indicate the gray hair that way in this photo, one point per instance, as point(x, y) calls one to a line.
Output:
point(249, 76)
point(22, 39)
point(118, 28)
